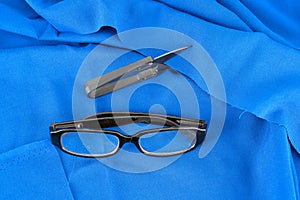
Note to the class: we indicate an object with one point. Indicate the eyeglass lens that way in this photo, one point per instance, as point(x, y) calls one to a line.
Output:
point(89, 143)
point(168, 141)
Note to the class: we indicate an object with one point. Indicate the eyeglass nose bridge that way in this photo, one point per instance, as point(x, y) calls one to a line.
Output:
point(129, 139)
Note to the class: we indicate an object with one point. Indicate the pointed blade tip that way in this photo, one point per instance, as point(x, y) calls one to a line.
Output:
point(183, 48)
point(169, 55)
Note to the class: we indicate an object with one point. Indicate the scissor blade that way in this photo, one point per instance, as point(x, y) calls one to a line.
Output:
point(163, 58)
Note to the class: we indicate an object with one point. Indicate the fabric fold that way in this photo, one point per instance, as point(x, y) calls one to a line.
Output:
point(82, 17)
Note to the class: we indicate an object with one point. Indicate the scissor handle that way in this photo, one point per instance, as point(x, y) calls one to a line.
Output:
point(121, 83)
point(95, 83)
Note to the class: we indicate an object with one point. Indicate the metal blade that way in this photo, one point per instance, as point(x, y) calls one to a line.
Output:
point(163, 58)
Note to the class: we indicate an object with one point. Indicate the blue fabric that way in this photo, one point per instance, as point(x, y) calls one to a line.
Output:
point(255, 45)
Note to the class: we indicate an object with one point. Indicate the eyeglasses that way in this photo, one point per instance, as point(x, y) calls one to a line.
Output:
point(91, 137)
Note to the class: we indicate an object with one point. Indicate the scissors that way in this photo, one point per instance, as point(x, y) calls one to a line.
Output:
point(138, 71)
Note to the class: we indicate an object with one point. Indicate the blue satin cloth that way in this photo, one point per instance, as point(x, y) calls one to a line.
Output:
point(255, 46)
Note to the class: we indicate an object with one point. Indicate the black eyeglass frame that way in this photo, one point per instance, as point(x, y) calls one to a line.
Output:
point(96, 123)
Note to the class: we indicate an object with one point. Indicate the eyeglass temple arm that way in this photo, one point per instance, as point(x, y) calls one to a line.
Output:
point(97, 123)
point(175, 120)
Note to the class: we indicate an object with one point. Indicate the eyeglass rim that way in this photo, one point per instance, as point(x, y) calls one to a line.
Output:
point(121, 137)
point(164, 154)
point(115, 150)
